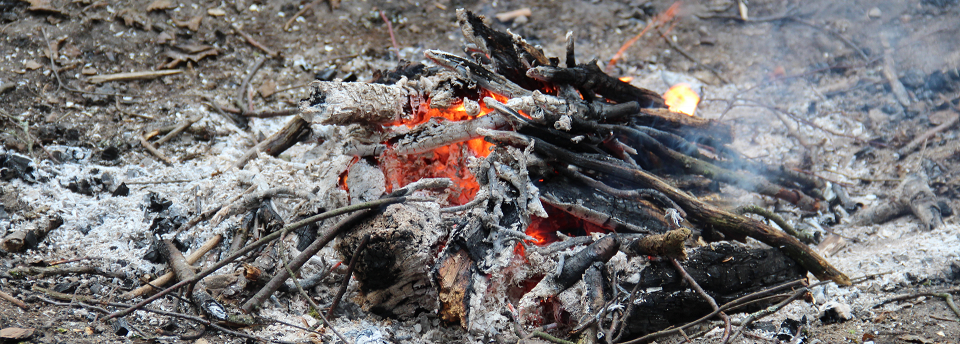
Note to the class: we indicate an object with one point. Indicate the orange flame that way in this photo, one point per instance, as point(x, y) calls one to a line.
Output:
point(682, 98)
point(626, 78)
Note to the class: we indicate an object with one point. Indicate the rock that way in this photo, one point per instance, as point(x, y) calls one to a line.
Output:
point(834, 312)
point(874, 13)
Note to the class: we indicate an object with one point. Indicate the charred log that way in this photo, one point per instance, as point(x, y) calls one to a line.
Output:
point(725, 271)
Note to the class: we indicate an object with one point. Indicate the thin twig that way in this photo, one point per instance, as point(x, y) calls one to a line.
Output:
point(910, 147)
point(254, 42)
point(179, 129)
point(257, 244)
point(13, 300)
point(245, 94)
point(393, 39)
point(153, 150)
point(346, 278)
point(767, 311)
point(303, 293)
point(705, 296)
point(286, 26)
point(727, 306)
point(80, 299)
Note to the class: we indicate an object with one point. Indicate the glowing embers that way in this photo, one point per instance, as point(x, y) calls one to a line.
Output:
point(545, 229)
point(448, 161)
point(682, 98)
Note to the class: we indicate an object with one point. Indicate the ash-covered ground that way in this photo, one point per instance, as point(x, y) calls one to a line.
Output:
point(824, 69)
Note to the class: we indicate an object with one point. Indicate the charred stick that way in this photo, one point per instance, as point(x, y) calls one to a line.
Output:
point(485, 78)
point(13, 300)
point(346, 277)
point(637, 194)
point(167, 277)
point(571, 54)
point(710, 300)
point(600, 251)
point(590, 76)
point(603, 220)
point(707, 215)
point(741, 179)
point(270, 114)
point(686, 126)
point(277, 143)
point(912, 196)
point(804, 236)
point(266, 239)
point(30, 236)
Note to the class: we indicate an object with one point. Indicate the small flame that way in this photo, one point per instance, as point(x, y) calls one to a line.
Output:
point(682, 98)
point(626, 78)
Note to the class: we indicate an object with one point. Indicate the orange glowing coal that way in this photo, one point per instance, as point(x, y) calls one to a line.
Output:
point(682, 98)
point(444, 162)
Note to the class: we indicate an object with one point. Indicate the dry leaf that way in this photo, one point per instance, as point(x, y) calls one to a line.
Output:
point(130, 18)
point(16, 333)
point(42, 6)
point(268, 88)
point(193, 24)
point(31, 65)
point(165, 37)
point(194, 48)
point(176, 57)
point(71, 50)
point(160, 5)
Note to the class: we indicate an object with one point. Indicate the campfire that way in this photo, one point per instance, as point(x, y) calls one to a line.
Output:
point(548, 197)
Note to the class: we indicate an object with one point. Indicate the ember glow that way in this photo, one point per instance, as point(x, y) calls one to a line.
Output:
point(444, 162)
point(545, 229)
point(682, 98)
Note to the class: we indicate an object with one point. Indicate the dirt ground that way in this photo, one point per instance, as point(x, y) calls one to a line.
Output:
point(821, 62)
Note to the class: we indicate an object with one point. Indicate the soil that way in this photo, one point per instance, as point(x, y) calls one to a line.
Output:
point(824, 67)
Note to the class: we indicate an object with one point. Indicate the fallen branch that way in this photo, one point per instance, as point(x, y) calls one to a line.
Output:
point(153, 150)
point(922, 138)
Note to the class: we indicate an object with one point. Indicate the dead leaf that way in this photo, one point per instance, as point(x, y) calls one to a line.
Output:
point(194, 48)
point(165, 37)
point(193, 24)
point(16, 333)
point(175, 58)
point(42, 6)
point(71, 50)
point(268, 88)
point(31, 65)
point(160, 5)
point(131, 18)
